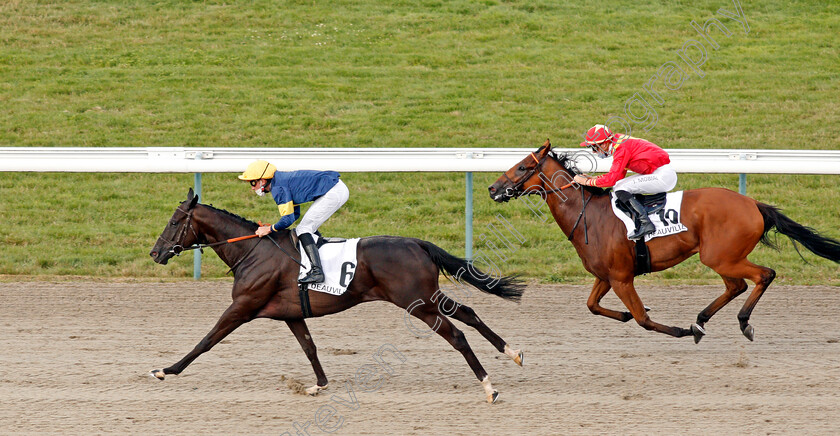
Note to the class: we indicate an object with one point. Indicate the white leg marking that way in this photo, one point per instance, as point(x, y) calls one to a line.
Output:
point(314, 390)
point(492, 394)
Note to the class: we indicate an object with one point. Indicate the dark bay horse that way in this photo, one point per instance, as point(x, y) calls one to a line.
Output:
point(403, 271)
point(723, 227)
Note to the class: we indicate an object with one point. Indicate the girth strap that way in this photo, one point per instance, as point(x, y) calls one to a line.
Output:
point(642, 257)
point(304, 299)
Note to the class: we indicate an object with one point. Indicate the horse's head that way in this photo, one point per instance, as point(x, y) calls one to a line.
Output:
point(179, 233)
point(522, 177)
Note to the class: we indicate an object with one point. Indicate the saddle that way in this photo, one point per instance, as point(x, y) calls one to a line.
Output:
point(652, 203)
point(303, 289)
point(322, 240)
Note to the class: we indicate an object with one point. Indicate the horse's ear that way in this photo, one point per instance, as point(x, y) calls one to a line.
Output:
point(545, 148)
point(192, 198)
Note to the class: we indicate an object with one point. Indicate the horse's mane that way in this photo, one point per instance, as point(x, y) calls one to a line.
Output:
point(568, 163)
point(244, 221)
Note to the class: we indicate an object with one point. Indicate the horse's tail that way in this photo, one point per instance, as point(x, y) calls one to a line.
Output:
point(808, 237)
point(507, 287)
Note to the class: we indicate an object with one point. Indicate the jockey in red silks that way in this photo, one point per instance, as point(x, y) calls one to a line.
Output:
point(651, 164)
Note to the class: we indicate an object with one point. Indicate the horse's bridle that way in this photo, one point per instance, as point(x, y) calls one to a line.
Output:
point(177, 247)
point(516, 190)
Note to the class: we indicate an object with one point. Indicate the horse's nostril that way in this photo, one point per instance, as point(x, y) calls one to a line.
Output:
point(153, 254)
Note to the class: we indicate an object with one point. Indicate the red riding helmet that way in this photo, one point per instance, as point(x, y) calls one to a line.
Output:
point(597, 134)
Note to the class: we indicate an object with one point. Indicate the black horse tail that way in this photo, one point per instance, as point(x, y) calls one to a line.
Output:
point(808, 237)
point(507, 287)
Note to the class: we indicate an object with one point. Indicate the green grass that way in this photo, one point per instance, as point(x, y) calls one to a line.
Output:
point(390, 74)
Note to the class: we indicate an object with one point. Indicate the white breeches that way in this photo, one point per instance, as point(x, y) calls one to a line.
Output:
point(663, 179)
point(323, 208)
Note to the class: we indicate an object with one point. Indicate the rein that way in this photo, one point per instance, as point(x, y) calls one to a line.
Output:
point(581, 215)
point(177, 249)
point(245, 256)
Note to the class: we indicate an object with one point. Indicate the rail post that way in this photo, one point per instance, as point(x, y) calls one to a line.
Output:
point(468, 231)
point(197, 253)
point(742, 179)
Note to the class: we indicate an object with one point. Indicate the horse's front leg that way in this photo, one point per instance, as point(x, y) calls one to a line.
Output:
point(236, 314)
point(627, 293)
point(301, 332)
point(600, 289)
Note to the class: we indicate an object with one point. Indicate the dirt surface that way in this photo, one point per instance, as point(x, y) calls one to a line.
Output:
point(74, 359)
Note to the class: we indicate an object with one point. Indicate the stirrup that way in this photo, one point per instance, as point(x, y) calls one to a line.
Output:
point(642, 231)
point(313, 277)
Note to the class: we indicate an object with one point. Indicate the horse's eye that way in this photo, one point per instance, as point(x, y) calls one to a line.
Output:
point(522, 168)
point(173, 223)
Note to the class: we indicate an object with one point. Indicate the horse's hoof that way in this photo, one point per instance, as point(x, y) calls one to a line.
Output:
point(157, 373)
point(516, 355)
point(647, 309)
point(697, 332)
point(314, 390)
point(519, 357)
point(493, 397)
point(749, 332)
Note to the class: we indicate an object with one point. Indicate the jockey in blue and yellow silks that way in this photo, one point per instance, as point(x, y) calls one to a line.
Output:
point(290, 190)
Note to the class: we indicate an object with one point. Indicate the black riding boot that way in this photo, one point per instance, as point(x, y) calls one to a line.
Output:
point(645, 226)
point(316, 274)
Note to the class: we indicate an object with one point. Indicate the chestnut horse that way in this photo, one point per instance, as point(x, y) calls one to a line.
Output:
point(723, 227)
point(403, 271)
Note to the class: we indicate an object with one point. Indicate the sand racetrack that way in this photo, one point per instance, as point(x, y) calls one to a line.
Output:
point(74, 358)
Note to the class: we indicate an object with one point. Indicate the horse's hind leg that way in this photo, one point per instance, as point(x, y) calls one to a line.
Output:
point(466, 315)
point(764, 281)
point(734, 288)
point(760, 275)
point(301, 333)
point(428, 313)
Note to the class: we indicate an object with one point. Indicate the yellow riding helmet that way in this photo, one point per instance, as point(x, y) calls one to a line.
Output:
point(258, 170)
